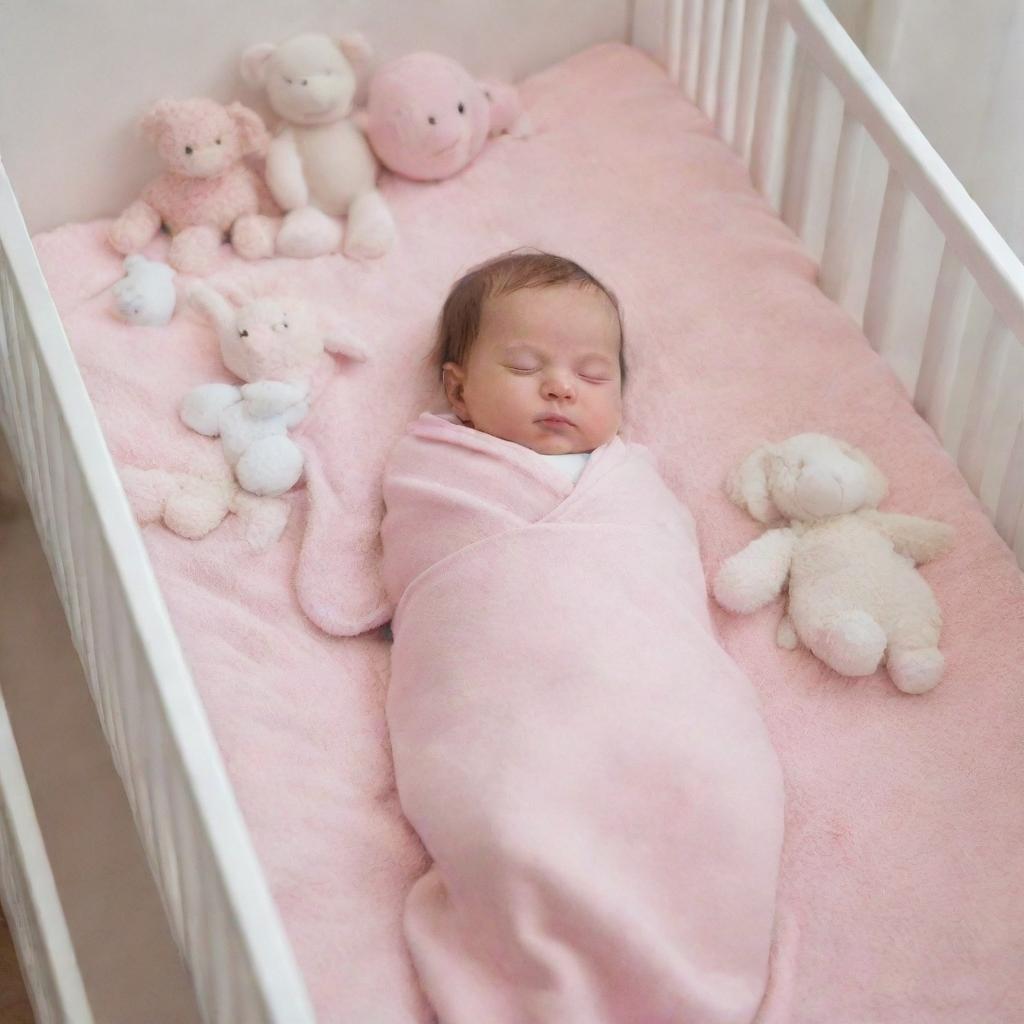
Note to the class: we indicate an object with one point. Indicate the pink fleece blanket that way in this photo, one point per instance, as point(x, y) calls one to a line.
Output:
point(586, 767)
point(904, 844)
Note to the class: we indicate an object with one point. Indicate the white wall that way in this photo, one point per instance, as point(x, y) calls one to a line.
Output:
point(76, 75)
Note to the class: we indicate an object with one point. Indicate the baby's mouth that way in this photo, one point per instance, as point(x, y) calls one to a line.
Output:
point(554, 420)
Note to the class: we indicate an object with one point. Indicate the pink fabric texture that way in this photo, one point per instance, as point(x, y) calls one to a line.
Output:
point(587, 768)
point(904, 840)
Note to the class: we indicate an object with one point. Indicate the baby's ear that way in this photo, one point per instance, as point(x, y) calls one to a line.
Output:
point(747, 485)
point(454, 378)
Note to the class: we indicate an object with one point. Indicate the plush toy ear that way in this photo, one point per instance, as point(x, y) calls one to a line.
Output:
point(747, 485)
point(356, 47)
point(255, 62)
point(876, 483)
point(250, 127)
point(213, 306)
point(156, 119)
point(339, 341)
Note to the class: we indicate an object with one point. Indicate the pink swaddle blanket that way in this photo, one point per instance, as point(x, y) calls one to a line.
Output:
point(586, 766)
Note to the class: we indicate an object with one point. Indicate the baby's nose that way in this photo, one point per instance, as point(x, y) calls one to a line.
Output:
point(558, 387)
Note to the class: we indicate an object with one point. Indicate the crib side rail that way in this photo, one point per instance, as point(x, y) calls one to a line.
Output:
point(213, 891)
point(902, 246)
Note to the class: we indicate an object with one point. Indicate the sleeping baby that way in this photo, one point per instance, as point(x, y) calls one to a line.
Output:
point(586, 767)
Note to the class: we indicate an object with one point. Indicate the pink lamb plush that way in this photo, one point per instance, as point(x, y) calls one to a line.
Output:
point(427, 118)
point(207, 191)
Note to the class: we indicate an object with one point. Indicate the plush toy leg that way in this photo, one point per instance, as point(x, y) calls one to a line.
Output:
point(197, 506)
point(916, 671)
point(785, 635)
point(370, 230)
point(147, 491)
point(253, 237)
point(193, 250)
point(264, 518)
point(850, 642)
point(270, 466)
point(135, 228)
point(307, 233)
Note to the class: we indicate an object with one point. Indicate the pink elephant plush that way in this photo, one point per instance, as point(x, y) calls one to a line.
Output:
point(207, 192)
point(427, 118)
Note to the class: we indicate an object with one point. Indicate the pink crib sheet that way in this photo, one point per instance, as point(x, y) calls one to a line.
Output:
point(905, 821)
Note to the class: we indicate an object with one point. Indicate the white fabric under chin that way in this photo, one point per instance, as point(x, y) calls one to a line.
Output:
point(570, 462)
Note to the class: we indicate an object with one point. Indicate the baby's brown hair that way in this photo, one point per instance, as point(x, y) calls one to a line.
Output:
point(513, 271)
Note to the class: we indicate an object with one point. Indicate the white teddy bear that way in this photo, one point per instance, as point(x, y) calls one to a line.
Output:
point(319, 165)
point(273, 345)
point(146, 294)
point(855, 597)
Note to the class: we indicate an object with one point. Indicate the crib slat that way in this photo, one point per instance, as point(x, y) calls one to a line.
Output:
point(1011, 497)
point(878, 318)
point(729, 69)
point(692, 56)
point(841, 230)
point(754, 18)
point(768, 150)
point(711, 52)
point(674, 40)
point(946, 323)
point(974, 445)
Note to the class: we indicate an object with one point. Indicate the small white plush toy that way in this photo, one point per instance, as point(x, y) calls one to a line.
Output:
point(273, 345)
point(146, 294)
point(855, 597)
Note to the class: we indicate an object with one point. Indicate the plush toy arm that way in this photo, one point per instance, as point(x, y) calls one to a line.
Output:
point(284, 174)
point(135, 228)
point(919, 539)
point(755, 576)
point(266, 398)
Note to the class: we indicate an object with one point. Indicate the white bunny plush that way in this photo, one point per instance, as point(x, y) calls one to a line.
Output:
point(272, 344)
point(855, 596)
point(146, 294)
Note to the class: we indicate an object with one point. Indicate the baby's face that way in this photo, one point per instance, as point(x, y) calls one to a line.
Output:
point(544, 370)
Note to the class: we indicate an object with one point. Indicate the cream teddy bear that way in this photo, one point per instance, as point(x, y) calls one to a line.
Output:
point(192, 505)
point(207, 192)
point(319, 165)
point(272, 344)
point(855, 597)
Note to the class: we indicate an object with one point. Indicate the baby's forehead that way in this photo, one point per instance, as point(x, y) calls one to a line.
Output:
point(563, 310)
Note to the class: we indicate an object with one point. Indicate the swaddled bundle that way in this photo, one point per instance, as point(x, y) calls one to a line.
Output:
point(585, 765)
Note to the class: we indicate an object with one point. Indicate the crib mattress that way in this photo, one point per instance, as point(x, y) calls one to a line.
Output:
point(905, 815)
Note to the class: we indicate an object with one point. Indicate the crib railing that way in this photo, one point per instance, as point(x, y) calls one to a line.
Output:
point(901, 245)
point(199, 851)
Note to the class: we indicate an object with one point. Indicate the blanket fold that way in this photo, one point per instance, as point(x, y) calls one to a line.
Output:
point(585, 765)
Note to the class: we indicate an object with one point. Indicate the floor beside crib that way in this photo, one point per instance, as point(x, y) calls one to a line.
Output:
point(129, 964)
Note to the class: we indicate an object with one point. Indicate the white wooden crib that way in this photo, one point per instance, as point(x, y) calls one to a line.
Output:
point(836, 155)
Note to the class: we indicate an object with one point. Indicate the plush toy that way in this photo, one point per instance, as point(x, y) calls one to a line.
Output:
point(319, 165)
point(855, 597)
point(427, 118)
point(207, 191)
point(273, 345)
point(192, 506)
point(146, 294)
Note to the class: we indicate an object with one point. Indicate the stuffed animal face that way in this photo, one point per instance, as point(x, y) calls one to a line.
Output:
point(199, 138)
point(806, 478)
point(268, 338)
point(311, 79)
point(426, 117)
